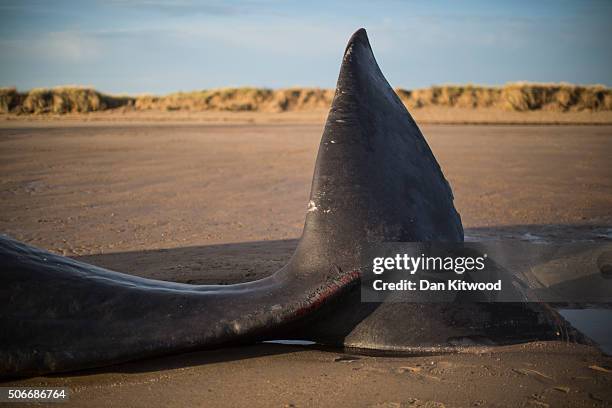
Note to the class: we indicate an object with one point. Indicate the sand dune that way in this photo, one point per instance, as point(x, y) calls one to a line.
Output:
point(514, 97)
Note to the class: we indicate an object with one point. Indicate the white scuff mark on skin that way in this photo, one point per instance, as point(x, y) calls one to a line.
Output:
point(312, 206)
point(348, 52)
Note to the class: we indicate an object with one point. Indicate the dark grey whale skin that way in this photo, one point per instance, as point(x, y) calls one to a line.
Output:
point(375, 180)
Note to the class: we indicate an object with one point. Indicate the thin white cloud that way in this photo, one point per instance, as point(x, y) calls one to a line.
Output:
point(64, 46)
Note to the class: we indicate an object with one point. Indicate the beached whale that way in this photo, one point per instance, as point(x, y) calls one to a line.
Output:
point(375, 180)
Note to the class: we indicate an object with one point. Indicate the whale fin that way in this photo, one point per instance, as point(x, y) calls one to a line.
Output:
point(375, 177)
point(376, 180)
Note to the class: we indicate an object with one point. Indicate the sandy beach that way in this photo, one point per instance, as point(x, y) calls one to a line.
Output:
point(190, 202)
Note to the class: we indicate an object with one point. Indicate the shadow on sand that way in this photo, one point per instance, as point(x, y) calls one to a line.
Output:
point(246, 261)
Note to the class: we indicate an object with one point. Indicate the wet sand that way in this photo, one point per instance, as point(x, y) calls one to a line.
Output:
point(424, 115)
point(188, 202)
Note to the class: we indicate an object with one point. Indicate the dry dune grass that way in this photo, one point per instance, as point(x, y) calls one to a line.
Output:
point(68, 99)
point(240, 99)
point(518, 97)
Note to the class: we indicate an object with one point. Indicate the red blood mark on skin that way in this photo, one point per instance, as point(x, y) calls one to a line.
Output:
point(327, 292)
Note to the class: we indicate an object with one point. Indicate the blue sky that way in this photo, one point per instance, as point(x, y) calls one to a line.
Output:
point(160, 46)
